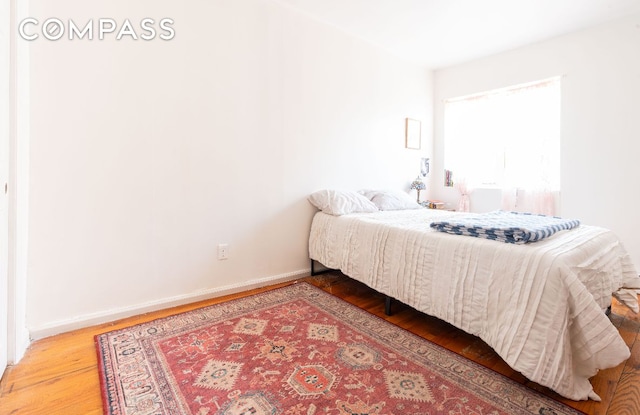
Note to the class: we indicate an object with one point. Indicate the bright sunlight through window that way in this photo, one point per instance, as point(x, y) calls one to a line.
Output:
point(506, 138)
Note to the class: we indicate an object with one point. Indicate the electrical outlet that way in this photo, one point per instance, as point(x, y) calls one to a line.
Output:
point(223, 251)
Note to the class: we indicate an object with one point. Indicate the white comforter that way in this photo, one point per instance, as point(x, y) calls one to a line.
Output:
point(539, 305)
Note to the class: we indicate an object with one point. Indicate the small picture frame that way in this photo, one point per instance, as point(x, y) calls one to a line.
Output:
point(412, 133)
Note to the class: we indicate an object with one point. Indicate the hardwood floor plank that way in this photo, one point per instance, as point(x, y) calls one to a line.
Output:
point(627, 400)
point(59, 375)
point(627, 391)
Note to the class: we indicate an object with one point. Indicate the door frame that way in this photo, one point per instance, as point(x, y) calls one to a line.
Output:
point(5, 132)
point(15, 144)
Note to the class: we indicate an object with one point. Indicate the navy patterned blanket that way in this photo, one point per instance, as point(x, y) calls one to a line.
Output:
point(503, 226)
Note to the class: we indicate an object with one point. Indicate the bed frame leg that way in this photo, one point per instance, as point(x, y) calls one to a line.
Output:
point(315, 272)
point(387, 305)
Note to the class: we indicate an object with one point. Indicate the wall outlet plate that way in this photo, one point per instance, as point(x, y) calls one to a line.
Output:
point(223, 251)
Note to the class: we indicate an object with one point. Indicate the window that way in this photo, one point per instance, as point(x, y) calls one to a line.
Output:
point(507, 138)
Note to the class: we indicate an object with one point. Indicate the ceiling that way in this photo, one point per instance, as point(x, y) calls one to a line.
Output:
point(440, 33)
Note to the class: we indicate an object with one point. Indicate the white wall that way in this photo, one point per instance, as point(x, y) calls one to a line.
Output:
point(146, 155)
point(600, 173)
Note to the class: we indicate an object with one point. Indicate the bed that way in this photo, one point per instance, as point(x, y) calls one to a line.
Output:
point(540, 306)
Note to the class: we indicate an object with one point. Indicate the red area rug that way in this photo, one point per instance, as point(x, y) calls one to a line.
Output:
point(296, 351)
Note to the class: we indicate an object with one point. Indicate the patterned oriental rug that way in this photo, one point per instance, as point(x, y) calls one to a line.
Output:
point(296, 350)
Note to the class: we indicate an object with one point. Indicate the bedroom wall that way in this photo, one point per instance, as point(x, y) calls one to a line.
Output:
point(600, 173)
point(145, 155)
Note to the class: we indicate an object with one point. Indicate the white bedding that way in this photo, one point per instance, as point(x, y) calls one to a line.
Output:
point(539, 305)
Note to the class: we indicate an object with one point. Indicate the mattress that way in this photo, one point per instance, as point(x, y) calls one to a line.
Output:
point(538, 305)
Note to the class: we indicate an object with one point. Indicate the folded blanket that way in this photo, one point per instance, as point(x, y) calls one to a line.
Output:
point(509, 227)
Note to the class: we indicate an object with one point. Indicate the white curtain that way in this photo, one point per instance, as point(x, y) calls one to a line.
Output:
point(464, 203)
point(509, 139)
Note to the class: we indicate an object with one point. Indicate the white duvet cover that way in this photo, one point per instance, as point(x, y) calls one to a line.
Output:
point(539, 305)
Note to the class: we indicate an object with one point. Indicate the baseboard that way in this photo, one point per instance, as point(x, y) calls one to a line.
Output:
point(62, 326)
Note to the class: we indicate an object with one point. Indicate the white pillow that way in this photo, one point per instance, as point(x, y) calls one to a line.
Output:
point(369, 194)
point(340, 202)
point(391, 199)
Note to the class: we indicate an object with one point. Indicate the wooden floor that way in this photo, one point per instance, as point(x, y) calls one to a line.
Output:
point(59, 375)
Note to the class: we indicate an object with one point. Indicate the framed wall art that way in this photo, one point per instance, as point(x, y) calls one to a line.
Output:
point(412, 133)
